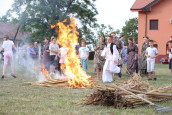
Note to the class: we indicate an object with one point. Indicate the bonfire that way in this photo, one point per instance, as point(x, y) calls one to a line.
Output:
point(68, 38)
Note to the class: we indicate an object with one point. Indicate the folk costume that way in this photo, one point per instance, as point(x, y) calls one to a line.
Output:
point(142, 60)
point(132, 51)
point(111, 54)
point(98, 59)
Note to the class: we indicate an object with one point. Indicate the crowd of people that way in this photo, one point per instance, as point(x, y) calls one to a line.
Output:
point(27, 55)
point(52, 56)
point(109, 57)
point(115, 49)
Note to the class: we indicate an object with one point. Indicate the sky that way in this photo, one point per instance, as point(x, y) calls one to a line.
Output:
point(111, 12)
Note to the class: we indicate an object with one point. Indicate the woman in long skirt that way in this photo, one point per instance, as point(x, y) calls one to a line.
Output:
point(98, 59)
point(134, 42)
point(132, 52)
point(46, 55)
point(142, 60)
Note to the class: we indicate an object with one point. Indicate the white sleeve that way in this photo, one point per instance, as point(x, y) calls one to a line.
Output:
point(50, 47)
point(2, 45)
point(80, 49)
point(12, 42)
point(103, 52)
point(58, 47)
point(115, 53)
point(156, 51)
point(146, 50)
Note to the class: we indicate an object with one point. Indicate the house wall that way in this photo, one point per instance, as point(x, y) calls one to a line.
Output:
point(163, 12)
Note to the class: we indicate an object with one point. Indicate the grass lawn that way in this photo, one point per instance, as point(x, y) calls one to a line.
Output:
point(17, 97)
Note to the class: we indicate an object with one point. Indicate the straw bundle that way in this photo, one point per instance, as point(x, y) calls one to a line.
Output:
point(52, 82)
point(109, 95)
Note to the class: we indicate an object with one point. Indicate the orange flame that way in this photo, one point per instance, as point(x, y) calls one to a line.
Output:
point(45, 72)
point(68, 38)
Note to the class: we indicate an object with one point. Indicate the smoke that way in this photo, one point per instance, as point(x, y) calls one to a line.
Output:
point(25, 65)
point(59, 76)
point(31, 67)
point(40, 77)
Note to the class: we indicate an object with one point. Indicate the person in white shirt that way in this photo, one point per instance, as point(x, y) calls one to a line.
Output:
point(111, 54)
point(63, 56)
point(8, 55)
point(84, 54)
point(151, 54)
point(53, 48)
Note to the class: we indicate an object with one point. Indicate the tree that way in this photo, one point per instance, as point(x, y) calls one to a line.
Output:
point(130, 30)
point(102, 29)
point(36, 16)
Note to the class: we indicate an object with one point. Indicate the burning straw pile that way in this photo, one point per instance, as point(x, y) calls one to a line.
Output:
point(60, 82)
point(112, 96)
point(52, 82)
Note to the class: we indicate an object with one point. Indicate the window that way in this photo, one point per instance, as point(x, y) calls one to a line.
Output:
point(153, 24)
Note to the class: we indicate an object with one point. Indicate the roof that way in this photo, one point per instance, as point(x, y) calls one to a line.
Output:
point(143, 5)
point(10, 30)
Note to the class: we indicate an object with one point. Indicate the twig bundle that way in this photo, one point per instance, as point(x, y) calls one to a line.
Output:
point(52, 82)
point(109, 95)
point(59, 82)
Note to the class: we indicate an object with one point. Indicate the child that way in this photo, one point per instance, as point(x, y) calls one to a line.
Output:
point(169, 51)
point(84, 54)
point(8, 55)
point(151, 54)
point(31, 52)
point(63, 56)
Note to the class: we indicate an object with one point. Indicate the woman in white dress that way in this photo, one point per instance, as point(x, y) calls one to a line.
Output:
point(111, 54)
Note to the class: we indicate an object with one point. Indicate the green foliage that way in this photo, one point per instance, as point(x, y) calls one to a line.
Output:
point(101, 29)
point(130, 30)
point(4, 19)
point(36, 16)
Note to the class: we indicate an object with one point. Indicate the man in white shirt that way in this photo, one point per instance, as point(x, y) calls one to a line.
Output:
point(8, 55)
point(111, 54)
point(151, 54)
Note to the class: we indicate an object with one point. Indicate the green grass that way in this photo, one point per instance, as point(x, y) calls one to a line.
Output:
point(19, 98)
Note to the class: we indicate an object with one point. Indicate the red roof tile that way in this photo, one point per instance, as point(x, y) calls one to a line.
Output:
point(10, 30)
point(140, 4)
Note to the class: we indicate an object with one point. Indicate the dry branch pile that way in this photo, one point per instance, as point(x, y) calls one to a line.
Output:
point(52, 82)
point(109, 95)
point(59, 82)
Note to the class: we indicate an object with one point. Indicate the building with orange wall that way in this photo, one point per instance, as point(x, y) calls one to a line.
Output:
point(154, 21)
